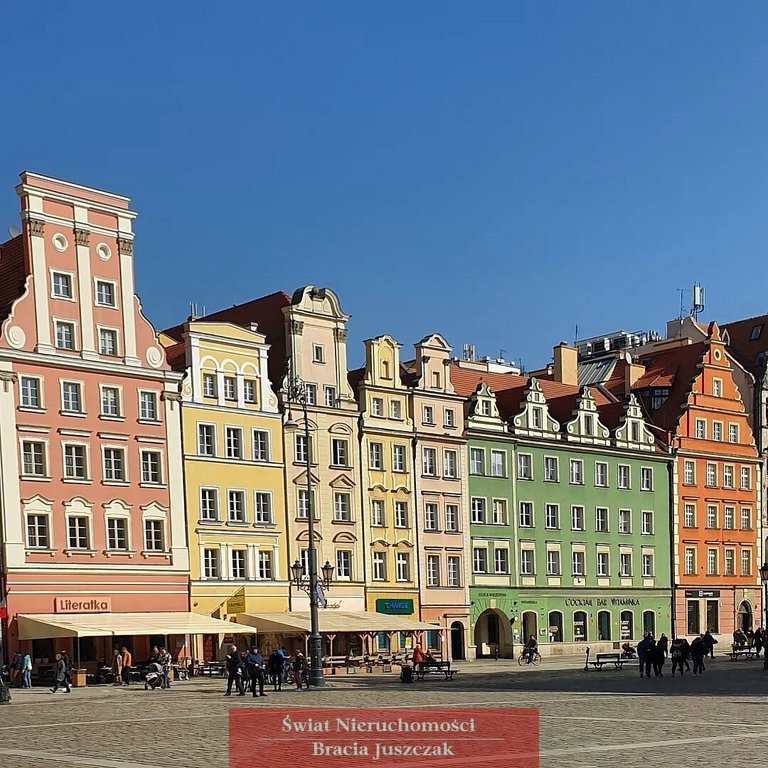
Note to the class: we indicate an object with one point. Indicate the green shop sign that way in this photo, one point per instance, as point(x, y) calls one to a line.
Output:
point(397, 607)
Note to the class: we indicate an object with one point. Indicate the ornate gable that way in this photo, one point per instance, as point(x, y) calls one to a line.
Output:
point(586, 427)
point(534, 418)
point(633, 432)
point(484, 411)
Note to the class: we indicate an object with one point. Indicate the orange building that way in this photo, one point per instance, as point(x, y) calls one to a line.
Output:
point(690, 393)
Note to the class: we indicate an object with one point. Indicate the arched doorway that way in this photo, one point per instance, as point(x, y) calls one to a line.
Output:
point(603, 625)
point(555, 627)
point(457, 641)
point(627, 620)
point(530, 625)
point(649, 623)
point(745, 616)
point(580, 627)
point(493, 633)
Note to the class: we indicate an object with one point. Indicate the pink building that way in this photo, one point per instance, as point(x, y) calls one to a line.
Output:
point(90, 451)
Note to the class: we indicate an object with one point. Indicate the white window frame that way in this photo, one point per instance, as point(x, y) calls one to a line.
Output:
point(116, 335)
point(98, 281)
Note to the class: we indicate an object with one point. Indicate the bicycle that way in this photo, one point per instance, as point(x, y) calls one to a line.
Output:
point(522, 659)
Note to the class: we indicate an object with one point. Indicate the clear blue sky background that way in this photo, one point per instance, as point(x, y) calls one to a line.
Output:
point(499, 171)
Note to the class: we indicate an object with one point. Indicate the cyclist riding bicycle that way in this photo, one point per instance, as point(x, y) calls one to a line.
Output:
point(530, 649)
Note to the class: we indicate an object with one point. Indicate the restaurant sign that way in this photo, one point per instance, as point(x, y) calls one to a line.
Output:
point(394, 607)
point(82, 605)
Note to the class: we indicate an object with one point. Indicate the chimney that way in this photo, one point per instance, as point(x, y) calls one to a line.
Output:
point(632, 373)
point(566, 364)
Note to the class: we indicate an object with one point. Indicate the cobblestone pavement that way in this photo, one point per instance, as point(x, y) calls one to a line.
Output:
point(588, 720)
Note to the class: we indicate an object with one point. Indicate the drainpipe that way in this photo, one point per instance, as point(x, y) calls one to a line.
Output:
point(671, 494)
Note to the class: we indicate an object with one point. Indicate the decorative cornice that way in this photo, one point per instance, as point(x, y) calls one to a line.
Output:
point(296, 327)
point(8, 378)
point(124, 247)
point(174, 397)
point(81, 236)
point(339, 334)
point(36, 227)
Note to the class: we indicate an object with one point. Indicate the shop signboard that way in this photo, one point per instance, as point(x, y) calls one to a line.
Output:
point(402, 607)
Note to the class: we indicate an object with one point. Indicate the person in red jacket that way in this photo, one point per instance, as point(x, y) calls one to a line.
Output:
point(418, 657)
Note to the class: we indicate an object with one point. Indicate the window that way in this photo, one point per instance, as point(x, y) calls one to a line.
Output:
point(646, 478)
point(647, 518)
point(210, 385)
point(711, 516)
point(729, 518)
point(398, 458)
point(206, 440)
point(480, 560)
point(733, 433)
point(625, 564)
point(693, 618)
point(302, 449)
point(755, 332)
point(527, 562)
point(635, 431)
point(601, 474)
point(233, 438)
point(148, 406)
point(265, 564)
point(329, 393)
point(501, 560)
point(114, 464)
point(30, 392)
point(77, 533)
point(428, 414)
point(430, 461)
point(209, 504)
point(454, 571)
point(601, 519)
point(717, 430)
point(211, 563)
point(713, 621)
point(711, 474)
point(551, 470)
point(603, 564)
point(717, 387)
point(746, 519)
point(729, 562)
point(302, 507)
point(377, 406)
point(339, 452)
point(701, 429)
point(623, 476)
point(343, 564)
point(374, 456)
point(476, 461)
point(342, 511)
point(525, 514)
point(230, 388)
point(625, 521)
point(577, 518)
point(577, 563)
point(551, 516)
point(498, 464)
point(75, 467)
point(37, 532)
point(260, 445)
point(61, 285)
point(689, 473)
point(150, 467)
point(449, 418)
point(401, 514)
point(478, 508)
point(236, 506)
point(450, 464)
point(107, 341)
point(746, 478)
point(310, 391)
point(499, 509)
point(553, 562)
point(452, 517)
point(249, 391)
point(746, 562)
point(403, 565)
point(711, 562)
point(110, 401)
point(117, 534)
point(689, 516)
point(485, 408)
point(105, 293)
point(65, 335)
point(577, 472)
point(430, 517)
point(647, 565)
point(395, 409)
point(33, 458)
point(436, 380)
point(433, 570)
point(238, 564)
point(263, 508)
point(589, 425)
point(377, 512)
point(536, 418)
point(690, 561)
point(379, 566)
point(524, 465)
point(71, 397)
point(727, 476)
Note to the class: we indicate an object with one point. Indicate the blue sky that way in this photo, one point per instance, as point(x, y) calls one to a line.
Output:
point(499, 172)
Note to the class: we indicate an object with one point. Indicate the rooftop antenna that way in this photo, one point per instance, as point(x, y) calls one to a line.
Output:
point(576, 337)
point(681, 291)
point(13, 230)
point(697, 305)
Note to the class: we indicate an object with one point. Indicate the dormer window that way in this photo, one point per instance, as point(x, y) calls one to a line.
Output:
point(536, 418)
point(635, 432)
point(756, 331)
point(385, 374)
point(485, 408)
point(436, 380)
point(589, 426)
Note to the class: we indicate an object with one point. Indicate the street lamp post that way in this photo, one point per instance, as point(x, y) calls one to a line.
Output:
point(296, 391)
point(764, 579)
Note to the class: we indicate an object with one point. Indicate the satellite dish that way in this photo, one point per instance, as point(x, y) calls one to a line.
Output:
point(13, 230)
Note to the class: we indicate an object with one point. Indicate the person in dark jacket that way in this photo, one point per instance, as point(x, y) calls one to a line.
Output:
point(698, 651)
point(254, 665)
point(61, 675)
point(759, 641)
point(686, 648)
point(165, 660)
point(234, 671)
point(709, 644)
point(658, 659)
point(650, 656)
point(276, 667)
point(664, 643)
point(642, 650)
point(299, 668)
point(678, 657)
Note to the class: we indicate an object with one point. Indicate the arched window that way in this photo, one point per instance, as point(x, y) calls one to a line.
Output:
point(580, 627)
point(604, 625)
point(649, 623)
point(627, 625)
point(555, 627)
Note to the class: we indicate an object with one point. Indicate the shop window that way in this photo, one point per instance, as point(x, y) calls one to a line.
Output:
point(42, 650)
point(580, 627)
point(693, 617)
point(382, 641)
point(713, 616)
point(649, 623)
point(555, 627)
point(627, 620)
point(604, 625)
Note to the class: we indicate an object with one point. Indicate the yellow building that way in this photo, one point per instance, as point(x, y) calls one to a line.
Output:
point(233, 470)
point(387, 484)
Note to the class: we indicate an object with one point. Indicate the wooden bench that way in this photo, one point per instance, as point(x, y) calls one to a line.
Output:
point(736, 653)
point(429, 667)
point(608, 658)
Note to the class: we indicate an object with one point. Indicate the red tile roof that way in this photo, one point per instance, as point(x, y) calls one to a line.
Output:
point(13, 273)
point(742, 346)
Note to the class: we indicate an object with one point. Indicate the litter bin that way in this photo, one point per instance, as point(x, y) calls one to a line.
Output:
point(78, 678)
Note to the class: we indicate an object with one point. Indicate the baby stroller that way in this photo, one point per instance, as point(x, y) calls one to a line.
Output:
point(154, 677)
point(627, 651)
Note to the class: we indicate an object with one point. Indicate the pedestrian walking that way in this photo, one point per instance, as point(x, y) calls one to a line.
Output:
point(677, 653)
point(165, 660)
point(664, 643)
point(16, 663)
point(26, 671)
point(254, 664)
point(69, 665)
point(658, 659)
point(61, 680)
point(642, 650)
point(127, 658)
point(276, 665)
point(686, 648)
point(709, 644)
point(117, 667)
point(299, 666)
point(698, 651)
point(650, 656)
point(759, 641)
point(234, 671)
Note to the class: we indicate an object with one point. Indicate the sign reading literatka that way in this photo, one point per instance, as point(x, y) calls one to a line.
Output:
point(410, 738)
point(82, 604)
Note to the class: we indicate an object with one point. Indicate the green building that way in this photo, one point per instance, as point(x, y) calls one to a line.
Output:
point(569, 518)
